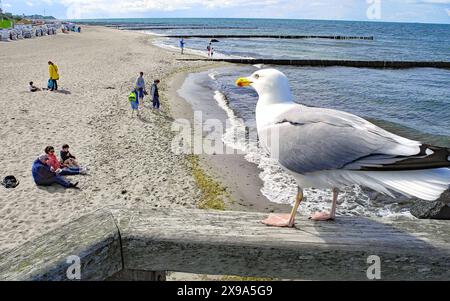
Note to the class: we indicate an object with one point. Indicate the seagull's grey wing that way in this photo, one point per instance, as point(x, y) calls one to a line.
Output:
point(311, 139)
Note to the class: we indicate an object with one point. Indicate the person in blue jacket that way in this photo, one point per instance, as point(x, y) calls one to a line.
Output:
point(182, 46)
point(44, 176)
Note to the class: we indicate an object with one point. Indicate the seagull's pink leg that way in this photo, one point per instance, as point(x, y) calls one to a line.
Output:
point(285, 220)
point(325, 216)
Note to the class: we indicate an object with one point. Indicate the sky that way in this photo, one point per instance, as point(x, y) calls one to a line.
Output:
point(423, 11)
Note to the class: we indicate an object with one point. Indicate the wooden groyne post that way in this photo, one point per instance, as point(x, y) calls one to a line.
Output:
point(290, 37)
point(333, 63)
point(116, 244)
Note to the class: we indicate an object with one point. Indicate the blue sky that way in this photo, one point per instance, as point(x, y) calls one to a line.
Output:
point(428, 11)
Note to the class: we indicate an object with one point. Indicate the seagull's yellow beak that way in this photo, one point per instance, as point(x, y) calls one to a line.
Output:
point(243, 82)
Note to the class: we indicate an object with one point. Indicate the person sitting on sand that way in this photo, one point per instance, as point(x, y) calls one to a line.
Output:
point(44, 176)
point(155, 94)
point(57, 167)
point(67, 159)
point(132, 98)
point(33, 88)
point(54, 75)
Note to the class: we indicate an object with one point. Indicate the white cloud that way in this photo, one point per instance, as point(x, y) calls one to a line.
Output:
point(29, 3)
point(136, 6)
point(7, 5)
point(437, 1)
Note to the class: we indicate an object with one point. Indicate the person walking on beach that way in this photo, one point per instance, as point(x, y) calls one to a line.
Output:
point(182, 46)
point(54, 75)
point(155, 94)
point(140, 88)
point(44, 176)
point(132, 98)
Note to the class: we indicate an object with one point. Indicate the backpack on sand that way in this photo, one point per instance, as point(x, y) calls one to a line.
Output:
point(10, 182)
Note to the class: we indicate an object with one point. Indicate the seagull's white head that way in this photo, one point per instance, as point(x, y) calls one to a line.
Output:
point(271, 85)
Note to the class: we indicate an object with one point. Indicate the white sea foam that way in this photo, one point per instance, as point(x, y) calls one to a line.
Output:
point(162, 42)
point(212, 76)
point(280, 187)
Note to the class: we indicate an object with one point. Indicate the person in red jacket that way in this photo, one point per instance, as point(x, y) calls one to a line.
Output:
point(56, 166)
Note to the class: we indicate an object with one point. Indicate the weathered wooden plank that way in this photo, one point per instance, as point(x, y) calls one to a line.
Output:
point(232, 243)
point(94, 238)
point(333, 63)
point(236, 243)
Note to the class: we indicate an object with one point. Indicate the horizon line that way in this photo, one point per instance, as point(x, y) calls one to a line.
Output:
point(259, 18)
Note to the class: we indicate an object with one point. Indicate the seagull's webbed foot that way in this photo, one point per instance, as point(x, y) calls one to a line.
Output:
point(277, 220)
point(285, 220)
point(321, 216)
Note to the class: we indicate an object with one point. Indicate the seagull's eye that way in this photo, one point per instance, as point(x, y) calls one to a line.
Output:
point(256, 76)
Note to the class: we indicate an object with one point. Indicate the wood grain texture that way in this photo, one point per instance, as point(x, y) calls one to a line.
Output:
point(233, 243)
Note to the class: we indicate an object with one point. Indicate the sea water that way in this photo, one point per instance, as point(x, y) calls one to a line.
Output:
point(414, 103)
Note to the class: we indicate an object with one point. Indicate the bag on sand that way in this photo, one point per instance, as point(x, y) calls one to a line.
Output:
point(10, 182)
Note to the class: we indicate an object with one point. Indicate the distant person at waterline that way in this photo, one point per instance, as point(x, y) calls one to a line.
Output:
point(209, 48)
point(155, 94)
point(54, 75)
point(182, 46)
point(140, 88)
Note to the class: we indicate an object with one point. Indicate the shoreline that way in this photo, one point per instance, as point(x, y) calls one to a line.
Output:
point(239, 176)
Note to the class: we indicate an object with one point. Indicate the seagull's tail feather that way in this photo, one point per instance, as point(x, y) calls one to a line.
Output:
point(427, 184)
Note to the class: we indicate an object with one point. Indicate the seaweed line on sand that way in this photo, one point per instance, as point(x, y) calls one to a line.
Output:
point(214, 195)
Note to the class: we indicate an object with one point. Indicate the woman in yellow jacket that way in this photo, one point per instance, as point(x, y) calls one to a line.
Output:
point(54, 76)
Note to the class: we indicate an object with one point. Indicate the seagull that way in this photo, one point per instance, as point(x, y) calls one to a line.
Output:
point(330, 149)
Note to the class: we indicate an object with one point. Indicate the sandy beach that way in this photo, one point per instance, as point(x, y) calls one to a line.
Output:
point(130, 160)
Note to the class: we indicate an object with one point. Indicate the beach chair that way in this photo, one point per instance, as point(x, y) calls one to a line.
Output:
point(4, 35)
point(12, 35)
point(27, 32)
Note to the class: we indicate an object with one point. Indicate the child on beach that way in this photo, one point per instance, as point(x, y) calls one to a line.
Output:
point(140, 88)
point(155, 94)
point(132, 98)
point(33, 88)
point(67, 159)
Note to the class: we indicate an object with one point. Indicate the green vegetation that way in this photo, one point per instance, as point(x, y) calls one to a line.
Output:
point(6, 19)
point(213, 194)
point(5, 23)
